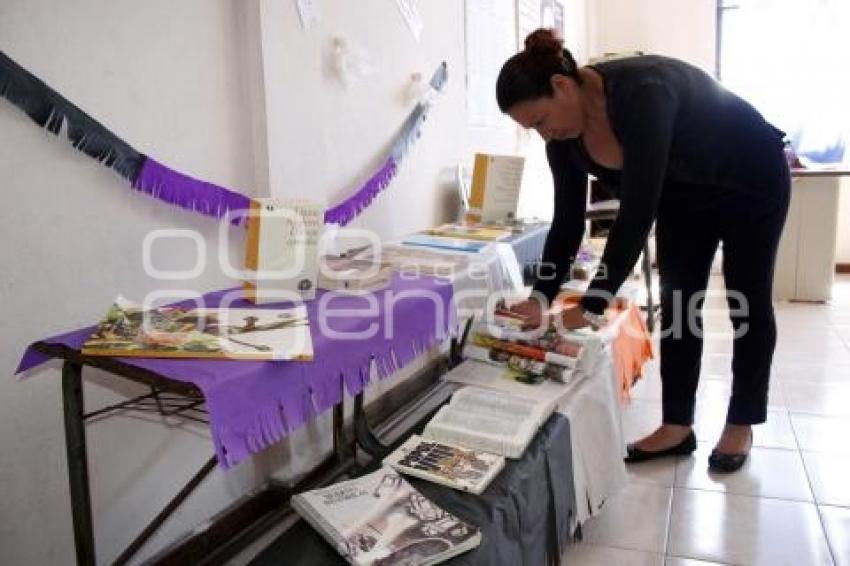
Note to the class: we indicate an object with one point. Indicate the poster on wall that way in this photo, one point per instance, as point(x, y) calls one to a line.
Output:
point(490, 40)
point(552, 15)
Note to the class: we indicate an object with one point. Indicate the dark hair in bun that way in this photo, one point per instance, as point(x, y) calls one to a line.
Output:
point(526, 75)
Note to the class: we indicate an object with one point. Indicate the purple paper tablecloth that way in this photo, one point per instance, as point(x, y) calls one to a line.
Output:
point(254, 404)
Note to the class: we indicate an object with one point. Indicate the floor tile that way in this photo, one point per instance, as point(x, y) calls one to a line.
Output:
point(817, 398)
point(821, 434)
point(836, 521)
point(789, 371)
point(776, 432)
point(829, 475)
point(737, 529)
point(623, 522)
point(768, 472)
point(583, 554)
point(661, 472)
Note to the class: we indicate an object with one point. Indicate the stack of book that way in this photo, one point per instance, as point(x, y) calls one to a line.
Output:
point(533, 355)
point(380, 518)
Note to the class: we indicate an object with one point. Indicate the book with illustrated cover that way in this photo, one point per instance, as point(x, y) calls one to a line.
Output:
point(440, 243)
point(487, 420)
point(460, 468)
point(338, 273)
point(469, 232)
point(224, 333)
point(380, 519)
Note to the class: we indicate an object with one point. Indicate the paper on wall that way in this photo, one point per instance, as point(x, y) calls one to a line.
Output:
point(309, 12)
point(410, 12)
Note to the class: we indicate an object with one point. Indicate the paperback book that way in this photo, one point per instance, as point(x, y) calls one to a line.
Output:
point(469, 232)
point(446, 464)
point(380, 519)
point(176, 332)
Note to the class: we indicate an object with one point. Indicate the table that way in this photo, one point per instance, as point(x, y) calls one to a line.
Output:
point(250, 405)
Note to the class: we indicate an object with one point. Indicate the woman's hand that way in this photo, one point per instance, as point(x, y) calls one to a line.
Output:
point(571, 318)
point(531, 311)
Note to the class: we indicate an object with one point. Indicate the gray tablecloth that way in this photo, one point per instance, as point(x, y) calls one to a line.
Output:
point(523, 515)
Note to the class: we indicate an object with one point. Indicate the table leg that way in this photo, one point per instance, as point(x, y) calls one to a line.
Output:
point(78, 472)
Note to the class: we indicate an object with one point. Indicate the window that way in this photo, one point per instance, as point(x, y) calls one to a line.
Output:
point(790, 59)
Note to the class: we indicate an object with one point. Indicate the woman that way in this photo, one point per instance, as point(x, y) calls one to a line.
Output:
point(680, 150)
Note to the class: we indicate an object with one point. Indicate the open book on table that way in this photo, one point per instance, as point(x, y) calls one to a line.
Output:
point(487, 420)
point(380, 518)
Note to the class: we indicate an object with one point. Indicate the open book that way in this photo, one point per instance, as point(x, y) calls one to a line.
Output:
point(490, 421)
point(446, 464)
point(380, 518)
point(128, 330)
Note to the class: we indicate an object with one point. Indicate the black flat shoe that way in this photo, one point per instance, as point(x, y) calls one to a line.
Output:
point(722, 463)
point(687, 446)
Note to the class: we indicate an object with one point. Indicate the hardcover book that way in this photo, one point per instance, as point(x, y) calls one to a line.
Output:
point(380, 519)
point(175, 332)
point(460, 468)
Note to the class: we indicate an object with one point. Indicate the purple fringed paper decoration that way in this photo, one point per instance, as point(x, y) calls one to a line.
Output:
point(187, 192)
point(347, 210)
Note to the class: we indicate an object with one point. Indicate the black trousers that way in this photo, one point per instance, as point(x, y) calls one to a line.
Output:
point(692, 221)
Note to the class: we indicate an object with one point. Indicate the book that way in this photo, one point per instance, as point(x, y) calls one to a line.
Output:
point(380, 518)
point(496, 182)
point(490, 376)
point(128, 330)
point(490, 421)
point(446, 464)
point(281, 250)
point(418, 260)
point(453, 244)
point(469, 232)
point(342, 273)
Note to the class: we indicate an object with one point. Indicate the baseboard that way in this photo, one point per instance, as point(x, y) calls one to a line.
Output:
point(842, 267)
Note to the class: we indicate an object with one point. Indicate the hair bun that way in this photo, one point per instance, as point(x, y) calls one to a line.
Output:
point(543, 40)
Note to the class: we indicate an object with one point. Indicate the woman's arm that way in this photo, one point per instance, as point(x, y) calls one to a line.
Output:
point(647, 130)
point(567, 222)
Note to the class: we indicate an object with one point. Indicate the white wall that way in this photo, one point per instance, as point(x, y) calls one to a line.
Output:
point(842, 248)
point(174, 79)
point(684, 29)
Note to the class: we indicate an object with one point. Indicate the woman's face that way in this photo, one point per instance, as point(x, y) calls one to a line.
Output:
point(556, 117)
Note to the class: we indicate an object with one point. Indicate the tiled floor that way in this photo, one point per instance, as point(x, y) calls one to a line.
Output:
point(790, 504)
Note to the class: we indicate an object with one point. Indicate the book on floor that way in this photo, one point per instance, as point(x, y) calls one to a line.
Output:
point(487, 420)
point(380, 518)
point(446, 464)
point(128, 330)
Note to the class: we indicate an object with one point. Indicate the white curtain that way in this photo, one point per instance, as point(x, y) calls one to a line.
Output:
point(791, 59)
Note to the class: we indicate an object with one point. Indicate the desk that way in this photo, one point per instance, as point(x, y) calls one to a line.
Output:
point(805, 262)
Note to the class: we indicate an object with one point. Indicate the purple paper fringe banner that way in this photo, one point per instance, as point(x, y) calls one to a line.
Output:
point(347, 210)
point(187, 192)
